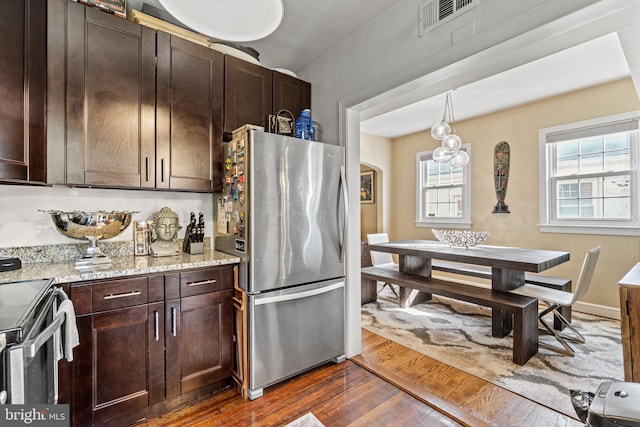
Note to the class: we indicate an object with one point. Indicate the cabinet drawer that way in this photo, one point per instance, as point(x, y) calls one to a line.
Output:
point(120, 293)
point(206, 280)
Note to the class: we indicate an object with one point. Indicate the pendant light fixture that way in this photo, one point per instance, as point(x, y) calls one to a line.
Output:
point(444, 131)
point(236, 21)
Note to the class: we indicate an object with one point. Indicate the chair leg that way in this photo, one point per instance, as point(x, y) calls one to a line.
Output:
point(552, 308)
point(390, 287)
point(578, 337)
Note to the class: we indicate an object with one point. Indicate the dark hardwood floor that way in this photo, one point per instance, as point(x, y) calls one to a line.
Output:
point(338, 395)
point(386, 385)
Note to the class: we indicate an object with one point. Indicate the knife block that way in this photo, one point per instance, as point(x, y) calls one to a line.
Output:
point(192, 248)
point(195, 248)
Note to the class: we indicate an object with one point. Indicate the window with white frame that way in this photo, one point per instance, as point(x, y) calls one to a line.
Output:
point(442, 192)
point(589, 176)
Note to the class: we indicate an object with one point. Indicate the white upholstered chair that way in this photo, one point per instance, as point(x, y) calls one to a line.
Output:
point(382, 259)
point(554, 299)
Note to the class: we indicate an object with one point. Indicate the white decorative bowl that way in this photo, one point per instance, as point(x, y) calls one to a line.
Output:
point(460, 238)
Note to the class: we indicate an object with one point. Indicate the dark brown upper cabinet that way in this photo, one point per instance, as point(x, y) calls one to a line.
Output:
point(290, 93)
point(189, 115)
point(248, 94)
point(252, 92)
point(144, 108)
point(110, 138)
point(23, 54)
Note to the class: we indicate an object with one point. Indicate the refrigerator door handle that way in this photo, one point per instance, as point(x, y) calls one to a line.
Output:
point(298, 295)
point(345, 198)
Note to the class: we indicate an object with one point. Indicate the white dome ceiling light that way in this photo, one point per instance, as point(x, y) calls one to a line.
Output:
point(237, 20)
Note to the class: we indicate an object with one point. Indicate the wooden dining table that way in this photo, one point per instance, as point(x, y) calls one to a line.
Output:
point(508, 267)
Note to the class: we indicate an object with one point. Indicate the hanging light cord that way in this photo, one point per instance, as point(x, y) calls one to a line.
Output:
point(452, 119)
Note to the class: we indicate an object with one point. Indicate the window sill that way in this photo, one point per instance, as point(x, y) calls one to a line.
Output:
point(443, 224)
point(590, 229)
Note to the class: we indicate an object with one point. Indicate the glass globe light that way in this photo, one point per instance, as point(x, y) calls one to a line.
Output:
point(440, 130)
point(452, 143)
point(459, 159)
point(440, 155)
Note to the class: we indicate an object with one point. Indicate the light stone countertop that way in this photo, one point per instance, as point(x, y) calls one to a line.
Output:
point(66, 272)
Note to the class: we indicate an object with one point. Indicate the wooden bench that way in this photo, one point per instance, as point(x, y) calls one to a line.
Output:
point(530, 278)
point(524, 309)
point(368, 288)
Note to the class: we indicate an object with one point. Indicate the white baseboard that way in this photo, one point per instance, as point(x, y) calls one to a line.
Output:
point(597, 310)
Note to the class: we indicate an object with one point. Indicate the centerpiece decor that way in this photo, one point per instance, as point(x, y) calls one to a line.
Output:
point(460, 238)
point(91, 226)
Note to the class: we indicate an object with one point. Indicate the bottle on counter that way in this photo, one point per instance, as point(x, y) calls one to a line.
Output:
point(304, 126)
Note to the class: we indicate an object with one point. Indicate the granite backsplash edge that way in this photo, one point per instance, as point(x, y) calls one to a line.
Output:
point(66, 252)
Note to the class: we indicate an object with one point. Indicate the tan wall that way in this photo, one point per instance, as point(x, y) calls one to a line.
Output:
point(369, 211)
point(519, 127)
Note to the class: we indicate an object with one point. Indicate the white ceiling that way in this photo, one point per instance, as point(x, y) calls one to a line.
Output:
point(311, 29)
point(597, 61)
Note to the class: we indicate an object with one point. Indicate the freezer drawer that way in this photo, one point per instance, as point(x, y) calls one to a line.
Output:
point(294, 330)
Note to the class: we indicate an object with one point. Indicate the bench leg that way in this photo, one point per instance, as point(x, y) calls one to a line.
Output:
point(525, 333)
point(368, 291)
point(410, 297)
point(501, 323)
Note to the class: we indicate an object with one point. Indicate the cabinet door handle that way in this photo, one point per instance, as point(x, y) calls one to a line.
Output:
point(162, 170)
point(146, 159)
point(122, 295)
point(174, 321)
point(203, 282)
point(156, 327)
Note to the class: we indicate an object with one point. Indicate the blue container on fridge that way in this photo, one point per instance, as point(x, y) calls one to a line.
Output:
point(304, 125)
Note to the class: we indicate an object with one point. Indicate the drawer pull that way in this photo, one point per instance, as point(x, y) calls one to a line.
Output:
point(204, 282)
point(156, 326)
point(174, 321)
point(122, 295)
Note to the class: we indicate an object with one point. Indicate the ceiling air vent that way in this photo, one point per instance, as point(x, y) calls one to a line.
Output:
point(435, 12)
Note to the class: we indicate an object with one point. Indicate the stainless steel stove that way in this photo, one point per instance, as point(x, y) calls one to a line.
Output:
point(29, 336)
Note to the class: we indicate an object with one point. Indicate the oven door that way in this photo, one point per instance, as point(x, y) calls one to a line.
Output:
point(32, 365)
point(3, 380)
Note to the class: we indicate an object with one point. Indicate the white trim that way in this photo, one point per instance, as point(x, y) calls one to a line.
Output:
point(349, 130)
point(590, 229)
point(463, 222)
point(465, 225)
point(596, 310)
point(605, 226)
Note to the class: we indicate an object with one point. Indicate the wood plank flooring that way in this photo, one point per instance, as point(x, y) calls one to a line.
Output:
point(466, 398)
point(338, 395)
point(386, 385)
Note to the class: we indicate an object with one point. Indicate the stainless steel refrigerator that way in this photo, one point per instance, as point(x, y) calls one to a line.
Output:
point(283, 212)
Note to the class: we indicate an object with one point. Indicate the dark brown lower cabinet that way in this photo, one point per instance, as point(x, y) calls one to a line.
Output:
point(147, 342)
point(199, 341)
point(127, 359)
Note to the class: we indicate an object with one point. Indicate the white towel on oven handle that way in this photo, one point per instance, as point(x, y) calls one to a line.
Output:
point(70, 338)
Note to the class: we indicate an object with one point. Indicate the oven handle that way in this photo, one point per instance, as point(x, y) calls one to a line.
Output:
point(32, 346)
